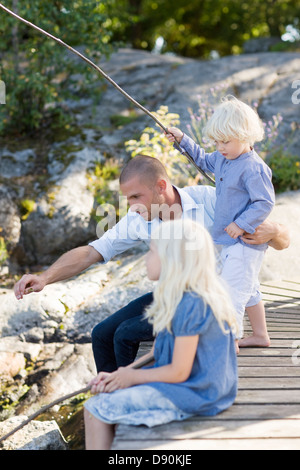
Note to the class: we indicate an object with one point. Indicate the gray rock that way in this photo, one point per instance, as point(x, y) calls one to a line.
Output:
point(36, 435)
point(10, 222)
point(260, 44)
point(15, 164)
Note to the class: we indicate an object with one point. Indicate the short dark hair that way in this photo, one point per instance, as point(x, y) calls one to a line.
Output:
point(148, 168)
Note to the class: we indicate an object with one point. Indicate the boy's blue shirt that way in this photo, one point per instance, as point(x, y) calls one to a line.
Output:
point(244, 190)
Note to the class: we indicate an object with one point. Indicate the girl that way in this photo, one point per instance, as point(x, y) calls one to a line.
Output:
point(244, 198)
point(195, 370)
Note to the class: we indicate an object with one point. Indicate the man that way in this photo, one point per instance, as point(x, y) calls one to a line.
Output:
point(152, 199)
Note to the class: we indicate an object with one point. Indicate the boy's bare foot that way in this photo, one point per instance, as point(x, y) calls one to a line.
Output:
point(255, 342)
point(237, 349)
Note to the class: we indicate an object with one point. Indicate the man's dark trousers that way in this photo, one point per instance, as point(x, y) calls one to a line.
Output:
point(116, 339)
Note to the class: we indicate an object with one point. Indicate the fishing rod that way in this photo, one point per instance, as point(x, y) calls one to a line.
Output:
point(112, 82)
point(86, 389)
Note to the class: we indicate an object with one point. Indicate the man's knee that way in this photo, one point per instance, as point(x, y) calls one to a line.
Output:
point(98, 333)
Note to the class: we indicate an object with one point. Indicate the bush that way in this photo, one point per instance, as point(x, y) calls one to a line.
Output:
point(39, 74)
point(286, 171)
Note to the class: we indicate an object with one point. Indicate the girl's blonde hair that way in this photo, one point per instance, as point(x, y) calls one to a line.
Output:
point(188, 264)
point(234, 119)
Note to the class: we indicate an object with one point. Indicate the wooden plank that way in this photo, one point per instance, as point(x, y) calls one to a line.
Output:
point(282, 286)
point(277, 343)
point(271, 383)
point(262, 352)
point(207, 429)
point(267, 361)
point(284, 335)
point(268, 371)
point(268, 396)
point(209, 444)
point(257, 411)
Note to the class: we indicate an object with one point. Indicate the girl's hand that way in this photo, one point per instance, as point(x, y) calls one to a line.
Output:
point(234, 230)
point(121, 378)
point(97, 383)
point(174, 134)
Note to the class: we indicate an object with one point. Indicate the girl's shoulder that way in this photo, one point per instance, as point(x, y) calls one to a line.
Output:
point(191, 315)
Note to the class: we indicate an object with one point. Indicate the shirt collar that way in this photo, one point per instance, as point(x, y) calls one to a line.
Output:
point(187, 202)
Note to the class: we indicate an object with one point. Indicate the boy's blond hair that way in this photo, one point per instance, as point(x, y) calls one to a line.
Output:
point(234, 119)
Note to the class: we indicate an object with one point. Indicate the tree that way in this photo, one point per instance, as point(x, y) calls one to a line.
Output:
point(197, 27)
point(35, 69)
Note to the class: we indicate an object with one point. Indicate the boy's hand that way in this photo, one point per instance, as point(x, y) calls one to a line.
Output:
point(174, 134)
point(234, 230)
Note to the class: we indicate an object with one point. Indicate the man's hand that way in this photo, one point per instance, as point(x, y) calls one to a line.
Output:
point(27, 284)
point(276, 235)
point(234, 230)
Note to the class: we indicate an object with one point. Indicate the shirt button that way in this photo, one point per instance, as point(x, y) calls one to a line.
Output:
point(221, 179)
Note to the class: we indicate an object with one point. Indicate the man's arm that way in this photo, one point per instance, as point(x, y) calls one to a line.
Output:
point(276, 235)
point(68, 265)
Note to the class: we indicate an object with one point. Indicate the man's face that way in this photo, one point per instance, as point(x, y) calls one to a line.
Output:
point(141, 198)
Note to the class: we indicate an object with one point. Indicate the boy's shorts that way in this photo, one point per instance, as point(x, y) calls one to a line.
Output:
point(239, 267)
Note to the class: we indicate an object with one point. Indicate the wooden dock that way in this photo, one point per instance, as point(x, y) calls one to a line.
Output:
point(266, 413)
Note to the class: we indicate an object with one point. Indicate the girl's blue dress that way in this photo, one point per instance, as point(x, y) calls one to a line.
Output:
point(210, 388)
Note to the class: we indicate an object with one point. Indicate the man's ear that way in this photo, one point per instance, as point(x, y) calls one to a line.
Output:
point(161, 185)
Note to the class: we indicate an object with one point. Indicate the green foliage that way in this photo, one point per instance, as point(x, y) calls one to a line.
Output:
point(3, 251)
point(286, 171)
point(39, 73)
point(27, 206)
point(197, 27)
point(155, 144)
point(99, 183)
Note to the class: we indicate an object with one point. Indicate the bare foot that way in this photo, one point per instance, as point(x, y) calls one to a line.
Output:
point(255, 342)
point(237, 349)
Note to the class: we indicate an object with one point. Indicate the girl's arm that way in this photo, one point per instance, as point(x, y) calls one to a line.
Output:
point(177, 371)
point(142, 359)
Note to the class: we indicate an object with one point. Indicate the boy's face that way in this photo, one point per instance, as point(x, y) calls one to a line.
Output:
point(232, 148)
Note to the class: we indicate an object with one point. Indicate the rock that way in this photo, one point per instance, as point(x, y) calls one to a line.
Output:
point(260, 44)
point(54, 304)
point(10, 222)
point(15, 345)
point(10, 364)
point(16, 164)
point(62, 219)
point(36, 435)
